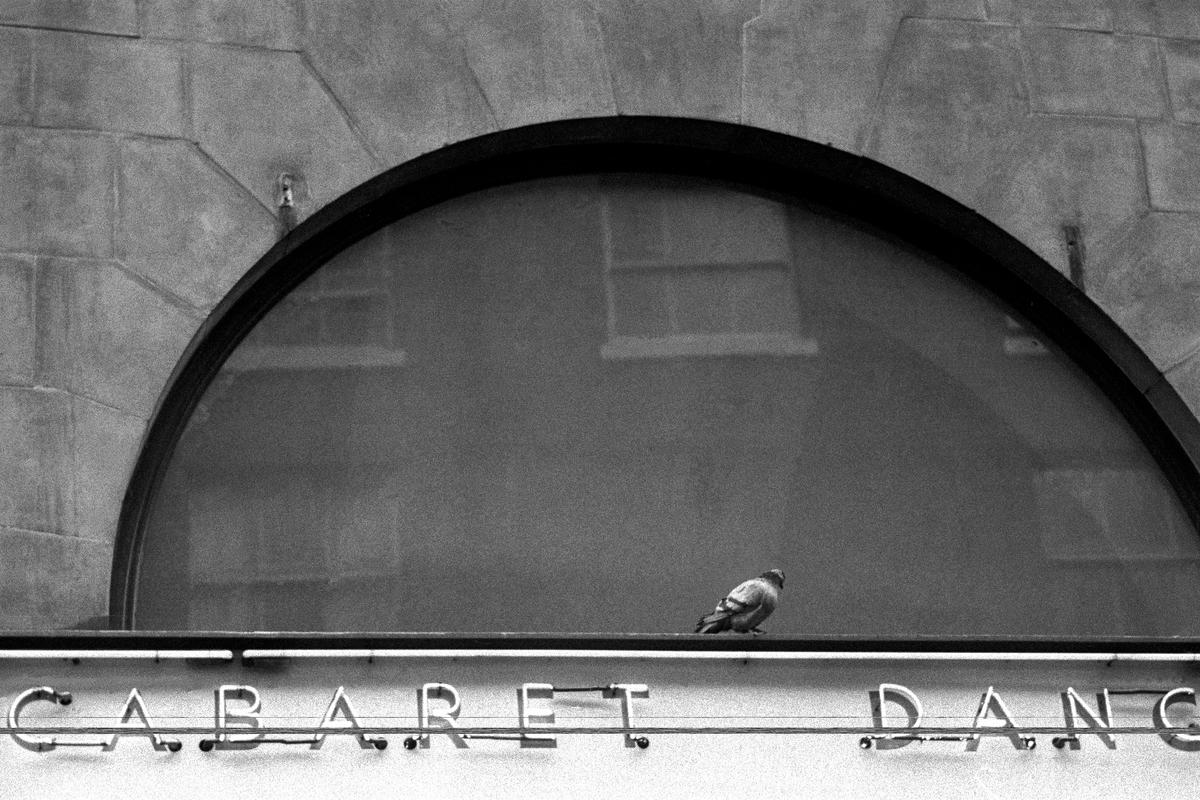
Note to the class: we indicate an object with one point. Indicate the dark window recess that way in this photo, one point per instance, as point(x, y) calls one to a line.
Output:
point(594, 403)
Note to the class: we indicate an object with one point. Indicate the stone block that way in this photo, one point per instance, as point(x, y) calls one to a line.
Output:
point(1185, 379)
point(16, 201)
point(400, 71)
point(57, 193)
point(104, 447)
point(16, 320)
point(105, 336)
point(1081, 171)
point(37, 486)
point(107, 83)
point(1169, 18)
point(1092, 15)
point(261, 113)
point(264, 23)
point(183, 224)
point(67, 464)
point(1173, 166)
point(73, 190)
point(1084, 72)
point(948, 9)
point(951, 103)
point(1183, 79)
point(536, 60)
point(51, 582)
point(1145, 277)
point(813, 69)
point(97, 16)
point(16, 69)
point(676, 59)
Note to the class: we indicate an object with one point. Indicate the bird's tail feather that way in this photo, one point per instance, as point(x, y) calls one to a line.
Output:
point(713, 623)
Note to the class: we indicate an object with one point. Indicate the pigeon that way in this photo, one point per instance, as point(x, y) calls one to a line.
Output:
point(746, 606)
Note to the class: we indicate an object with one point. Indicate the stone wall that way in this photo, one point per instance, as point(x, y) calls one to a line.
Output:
point(141, 141)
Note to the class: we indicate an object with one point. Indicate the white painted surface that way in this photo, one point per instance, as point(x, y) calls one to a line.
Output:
point(682, 693)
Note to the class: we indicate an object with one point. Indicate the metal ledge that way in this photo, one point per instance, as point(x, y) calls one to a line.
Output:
point(226, 645)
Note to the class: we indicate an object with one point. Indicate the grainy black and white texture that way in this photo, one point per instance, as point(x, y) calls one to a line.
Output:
point(141, 144)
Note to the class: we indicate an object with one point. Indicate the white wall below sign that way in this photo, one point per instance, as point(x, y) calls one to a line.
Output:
point(682, 693)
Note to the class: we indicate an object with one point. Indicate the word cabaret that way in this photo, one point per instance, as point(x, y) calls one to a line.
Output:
point(896, 711)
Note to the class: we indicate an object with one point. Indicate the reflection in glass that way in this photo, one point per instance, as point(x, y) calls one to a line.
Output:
point(591, 404)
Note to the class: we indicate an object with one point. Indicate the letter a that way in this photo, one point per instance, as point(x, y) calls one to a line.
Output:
point(143, 727)
point(988, 705)
point(340, 704)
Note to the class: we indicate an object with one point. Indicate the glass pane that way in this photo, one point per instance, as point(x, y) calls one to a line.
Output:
point(597, 404)
point(703, 300)
point(639, 305)
point(765, 300)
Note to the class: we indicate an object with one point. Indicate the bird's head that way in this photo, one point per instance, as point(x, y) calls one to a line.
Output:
point(774, 576)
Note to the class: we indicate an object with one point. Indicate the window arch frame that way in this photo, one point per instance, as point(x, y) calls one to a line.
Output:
point(784, 165)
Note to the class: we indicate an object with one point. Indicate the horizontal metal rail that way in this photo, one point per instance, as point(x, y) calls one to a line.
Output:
point(649, 730)
point(147, 655)
point(724, 655)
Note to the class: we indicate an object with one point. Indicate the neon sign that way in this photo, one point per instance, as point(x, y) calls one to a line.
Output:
point(238, 708)
point(897, 715)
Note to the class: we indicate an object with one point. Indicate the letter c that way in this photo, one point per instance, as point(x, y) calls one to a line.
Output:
point(36, 743)
point(1180, 741)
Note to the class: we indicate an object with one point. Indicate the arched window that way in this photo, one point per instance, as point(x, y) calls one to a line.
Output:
point(585, 377)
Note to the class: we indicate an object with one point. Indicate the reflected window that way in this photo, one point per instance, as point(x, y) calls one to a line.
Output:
point(595, 403)
point(341, 319)
point(696, 273)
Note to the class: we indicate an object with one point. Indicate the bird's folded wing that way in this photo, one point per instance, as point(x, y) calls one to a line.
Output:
point(745, 595)
point(727, 606)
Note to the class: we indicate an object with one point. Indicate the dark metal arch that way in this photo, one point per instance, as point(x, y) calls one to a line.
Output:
point(794, 168)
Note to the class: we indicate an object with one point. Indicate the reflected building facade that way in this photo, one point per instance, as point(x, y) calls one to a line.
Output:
point(448, 360)
point(578, 404)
